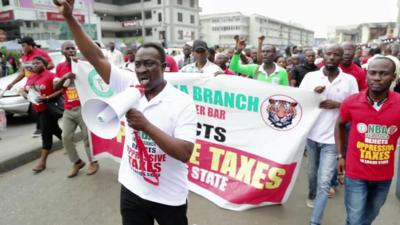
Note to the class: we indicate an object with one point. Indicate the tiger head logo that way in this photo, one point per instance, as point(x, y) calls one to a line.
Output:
point(281, 112)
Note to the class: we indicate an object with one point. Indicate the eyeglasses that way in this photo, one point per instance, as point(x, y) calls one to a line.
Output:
point(147, 63)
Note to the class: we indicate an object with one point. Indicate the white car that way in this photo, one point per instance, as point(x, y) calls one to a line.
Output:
point(12, 102)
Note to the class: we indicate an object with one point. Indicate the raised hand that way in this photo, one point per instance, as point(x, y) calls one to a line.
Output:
point(65, 7)
point(261, 39)
point(240, 44)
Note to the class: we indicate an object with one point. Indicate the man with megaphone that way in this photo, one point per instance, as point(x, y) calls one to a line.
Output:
point(159, 138)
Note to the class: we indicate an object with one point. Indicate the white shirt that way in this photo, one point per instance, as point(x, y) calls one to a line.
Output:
point(341, 87)
point(115, 57)
point(173, 112)
point(208, 68)
point(128, 66)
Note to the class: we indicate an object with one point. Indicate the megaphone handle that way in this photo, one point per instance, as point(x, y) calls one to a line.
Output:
point(144, 154)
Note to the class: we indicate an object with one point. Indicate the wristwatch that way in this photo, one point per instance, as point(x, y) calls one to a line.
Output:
point(339, 156)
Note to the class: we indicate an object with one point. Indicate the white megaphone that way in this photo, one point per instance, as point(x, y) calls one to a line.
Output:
point(102, 116)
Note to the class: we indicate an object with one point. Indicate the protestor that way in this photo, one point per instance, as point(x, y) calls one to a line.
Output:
point(165, 118)
point(334, 86)
point(298, 72)
point(31, 50)
point(211, 55)
point(254, 56)
point(348, 66)
point(170, 64)
point(114, 55)
point(201, 64)
point(130, 63)
point(39, 90)
point(72, 116)
point(222, 62)
point(357, 56)
point(187, 56)
point(268, 72)
point(369, 163)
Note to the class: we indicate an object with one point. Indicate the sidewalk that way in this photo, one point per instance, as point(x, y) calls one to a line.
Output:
point(17, 150)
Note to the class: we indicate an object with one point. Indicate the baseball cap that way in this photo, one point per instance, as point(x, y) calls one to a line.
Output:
point(199, 44)
point(27, 40)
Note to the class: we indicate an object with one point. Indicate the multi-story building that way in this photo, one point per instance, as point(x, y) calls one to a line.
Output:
point(363, 33)
point(221, 28)
point(171, 22)
point(40, 19)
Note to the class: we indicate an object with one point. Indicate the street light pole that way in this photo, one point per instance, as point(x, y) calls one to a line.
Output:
point(143, 19)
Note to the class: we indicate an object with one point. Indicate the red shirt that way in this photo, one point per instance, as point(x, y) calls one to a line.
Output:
point(26, 59)
point(43, 84)
point(171, 64)
point(358, 73)
point(71, 98)
point(373, 136)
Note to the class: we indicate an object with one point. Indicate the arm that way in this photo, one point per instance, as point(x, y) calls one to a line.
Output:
point(16, 80)
point(339, 140)
point(249, 69)
point(259, 49)
point(60, 82)
point(88, 48)
point(50, 65)
point(176, 148)
point(295, 75)
point(50, 96)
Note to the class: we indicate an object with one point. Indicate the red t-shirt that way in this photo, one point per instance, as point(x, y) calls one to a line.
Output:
point(358, 73)
point(43, 84)
point(26, 60)
point(229, 72)
point(171, 64)
point(373, 136)
point(71, 98)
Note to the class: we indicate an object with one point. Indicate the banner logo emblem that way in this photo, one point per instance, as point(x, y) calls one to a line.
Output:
point(281, 112)
point(99, 87)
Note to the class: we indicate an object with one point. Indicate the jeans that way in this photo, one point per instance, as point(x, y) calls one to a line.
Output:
point(322, 165)
point(363, 200)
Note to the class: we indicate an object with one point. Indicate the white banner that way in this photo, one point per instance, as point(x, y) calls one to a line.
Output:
point(250, 135)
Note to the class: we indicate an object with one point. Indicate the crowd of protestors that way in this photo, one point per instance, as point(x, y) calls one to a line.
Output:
point(355, 84)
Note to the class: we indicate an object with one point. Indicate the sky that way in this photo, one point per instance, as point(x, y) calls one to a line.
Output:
point(316, 15)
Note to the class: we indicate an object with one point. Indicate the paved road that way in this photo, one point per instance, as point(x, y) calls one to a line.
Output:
point(50, 198)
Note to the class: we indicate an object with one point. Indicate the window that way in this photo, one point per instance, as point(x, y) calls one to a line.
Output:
point(192, 19)
point(159, 17)
point(192, 3)
point(149, 31)
point(28, 24)
point(5, 2)
point(159, 2)
point(147, 14)
point(180, 17)
point(180, 2)
point(192, 34)
point(180, 34)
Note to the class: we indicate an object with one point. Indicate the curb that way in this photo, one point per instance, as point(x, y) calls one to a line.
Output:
point(31, 155)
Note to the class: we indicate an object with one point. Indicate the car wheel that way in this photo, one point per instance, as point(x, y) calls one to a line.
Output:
point(32, 114)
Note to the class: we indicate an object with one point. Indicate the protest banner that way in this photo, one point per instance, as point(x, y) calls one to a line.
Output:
point(250, 135)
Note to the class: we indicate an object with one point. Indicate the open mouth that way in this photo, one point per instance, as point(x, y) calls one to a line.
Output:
point(144, 81)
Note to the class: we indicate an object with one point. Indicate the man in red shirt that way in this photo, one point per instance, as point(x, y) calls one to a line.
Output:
point(31, 50)
point(350, 67)
point(72, 114)
point(369, 162)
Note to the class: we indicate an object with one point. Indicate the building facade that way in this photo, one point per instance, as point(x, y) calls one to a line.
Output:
point(221, 28)
point(171, 22)
point(363, 33)
point(40, 19)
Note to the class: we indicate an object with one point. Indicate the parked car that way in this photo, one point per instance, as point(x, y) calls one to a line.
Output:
point(12, 102)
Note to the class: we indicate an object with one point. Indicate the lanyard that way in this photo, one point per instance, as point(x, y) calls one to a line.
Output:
point(142, 152)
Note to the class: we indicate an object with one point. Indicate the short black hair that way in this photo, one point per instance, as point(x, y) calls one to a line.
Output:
point(157, 46)
point(43, 60)
point(387, 59)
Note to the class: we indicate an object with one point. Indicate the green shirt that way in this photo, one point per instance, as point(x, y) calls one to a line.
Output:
point(279, 76)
